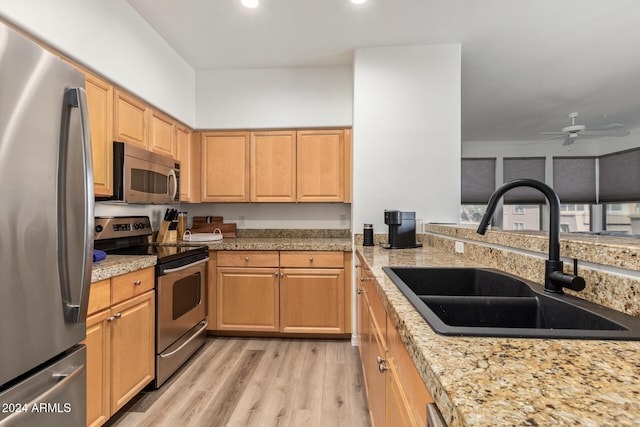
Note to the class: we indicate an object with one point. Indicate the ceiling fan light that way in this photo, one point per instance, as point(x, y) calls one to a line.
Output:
point(358, 1)
point(251, 4)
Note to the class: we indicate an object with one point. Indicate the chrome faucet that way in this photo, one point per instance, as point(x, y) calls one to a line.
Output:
point(554, 278)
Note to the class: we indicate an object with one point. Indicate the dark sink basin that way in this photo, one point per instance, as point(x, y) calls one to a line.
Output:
point(486, 302)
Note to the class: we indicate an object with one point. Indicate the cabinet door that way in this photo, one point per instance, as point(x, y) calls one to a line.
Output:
point(100, 103)
point(397, 410)
point(320, 166)
point(247, 299)
point(162, 134)
point(312, 300)
point(98, 368)
point(132, 348)
point(225, 167)
point(184, 153)
point(273, 166)
point(130, 121)
point(376, 379)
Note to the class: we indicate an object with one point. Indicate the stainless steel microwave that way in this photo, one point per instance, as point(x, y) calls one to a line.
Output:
point(140, 176)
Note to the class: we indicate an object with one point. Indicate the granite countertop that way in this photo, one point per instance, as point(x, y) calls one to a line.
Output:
point(278, 244)
point(478, 381)
point(115, 265)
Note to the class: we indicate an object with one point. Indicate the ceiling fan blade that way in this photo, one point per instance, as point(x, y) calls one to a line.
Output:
point(605, 127)
point(553, 133)
point(613, 132)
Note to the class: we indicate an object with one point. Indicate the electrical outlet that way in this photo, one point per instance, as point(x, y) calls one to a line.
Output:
point(241, 219)
point(459, 247)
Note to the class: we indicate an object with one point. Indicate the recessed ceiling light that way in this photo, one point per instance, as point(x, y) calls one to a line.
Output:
point(358, 1)
point(251, 4)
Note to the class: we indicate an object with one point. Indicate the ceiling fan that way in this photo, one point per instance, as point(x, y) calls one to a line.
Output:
point(572, 132)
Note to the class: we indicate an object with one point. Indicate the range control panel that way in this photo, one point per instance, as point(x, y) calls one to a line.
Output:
point(117, 227)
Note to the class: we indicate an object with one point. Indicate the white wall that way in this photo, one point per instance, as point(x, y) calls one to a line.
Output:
point(110, 38)
point(406, 133)
point(274, 98)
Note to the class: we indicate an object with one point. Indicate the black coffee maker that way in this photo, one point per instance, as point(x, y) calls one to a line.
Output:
point(402, 230)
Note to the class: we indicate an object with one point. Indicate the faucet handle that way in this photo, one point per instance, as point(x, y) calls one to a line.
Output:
point(568, 281)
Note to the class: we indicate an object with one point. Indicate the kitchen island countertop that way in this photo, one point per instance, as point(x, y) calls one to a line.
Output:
point(478, 381)
point(278, 244)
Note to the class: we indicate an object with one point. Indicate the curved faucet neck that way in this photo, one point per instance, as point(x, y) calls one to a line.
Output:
point(554, 211)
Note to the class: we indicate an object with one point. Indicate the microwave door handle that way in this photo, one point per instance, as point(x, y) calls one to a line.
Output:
point(172, 175)
point(72, 230)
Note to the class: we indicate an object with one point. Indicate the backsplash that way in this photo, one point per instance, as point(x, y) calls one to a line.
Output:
point(611, 272)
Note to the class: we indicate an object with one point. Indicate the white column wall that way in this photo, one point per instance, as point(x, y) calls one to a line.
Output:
point(406, 133)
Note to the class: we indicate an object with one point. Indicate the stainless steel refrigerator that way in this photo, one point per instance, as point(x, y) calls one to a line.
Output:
point(46, 232)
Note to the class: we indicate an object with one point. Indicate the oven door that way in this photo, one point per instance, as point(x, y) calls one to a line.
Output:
point(181, 301)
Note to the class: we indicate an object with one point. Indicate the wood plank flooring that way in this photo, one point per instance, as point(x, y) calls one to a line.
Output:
point(247, 382)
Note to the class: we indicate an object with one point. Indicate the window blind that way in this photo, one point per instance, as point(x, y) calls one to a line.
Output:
point(523, 167)
point(478, 180)
point(619, 176)
point(574, 179)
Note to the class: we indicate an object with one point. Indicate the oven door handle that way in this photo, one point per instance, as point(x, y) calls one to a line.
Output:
point(184, 267)
point(204, 324)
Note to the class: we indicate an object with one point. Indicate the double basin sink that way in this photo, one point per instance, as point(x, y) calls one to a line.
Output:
point(487, 302)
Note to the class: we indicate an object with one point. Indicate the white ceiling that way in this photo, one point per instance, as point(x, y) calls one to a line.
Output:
point(526, 64)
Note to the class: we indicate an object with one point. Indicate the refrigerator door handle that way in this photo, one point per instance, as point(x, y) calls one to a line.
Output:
point(63, 382)
point(75, 290)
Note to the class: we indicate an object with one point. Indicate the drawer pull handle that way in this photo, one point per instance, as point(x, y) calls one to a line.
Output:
point(137, 283)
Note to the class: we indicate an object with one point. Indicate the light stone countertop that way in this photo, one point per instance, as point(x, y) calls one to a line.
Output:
point(115, 265)
point(478, 381)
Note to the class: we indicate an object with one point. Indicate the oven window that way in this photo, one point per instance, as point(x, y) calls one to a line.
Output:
point(147, 181)
point(186, 295)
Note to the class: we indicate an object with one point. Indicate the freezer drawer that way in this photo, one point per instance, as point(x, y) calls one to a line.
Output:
point(53, 396)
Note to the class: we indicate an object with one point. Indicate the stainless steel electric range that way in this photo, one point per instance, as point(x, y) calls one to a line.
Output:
point(181, 324)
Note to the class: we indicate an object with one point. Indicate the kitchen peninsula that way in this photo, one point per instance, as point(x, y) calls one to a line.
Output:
point(506, 381)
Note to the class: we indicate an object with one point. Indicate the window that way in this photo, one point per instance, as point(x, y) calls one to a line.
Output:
point(622, 217)
point(521, 217)
point(575, 217)
point(472, 214)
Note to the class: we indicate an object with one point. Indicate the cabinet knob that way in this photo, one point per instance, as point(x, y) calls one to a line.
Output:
point(275, 274)
point(382, 364)
point(137, 282)
point(246, 259)
point(110, 319)
point(310, 259)
point(117, 315)
point(360, 291)
point(362, 279)
point(281, 275)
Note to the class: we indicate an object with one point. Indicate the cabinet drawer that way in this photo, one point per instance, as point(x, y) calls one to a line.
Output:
point(308, 259)
point(99, 296)
point(248, 259)
point(131, 284)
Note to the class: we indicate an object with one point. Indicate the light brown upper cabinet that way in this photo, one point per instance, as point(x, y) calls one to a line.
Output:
point(162, 134)
point(188, 153)
point(100, 103)
point(321, 165)
point(225, 167)
point(130, 120)
point(273, 166)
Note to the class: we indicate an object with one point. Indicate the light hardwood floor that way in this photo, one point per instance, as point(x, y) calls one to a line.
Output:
point(258, 382)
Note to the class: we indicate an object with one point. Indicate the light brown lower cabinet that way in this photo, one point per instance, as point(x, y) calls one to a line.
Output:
point(396, 393)
point(120, 342)
point(281, 291)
